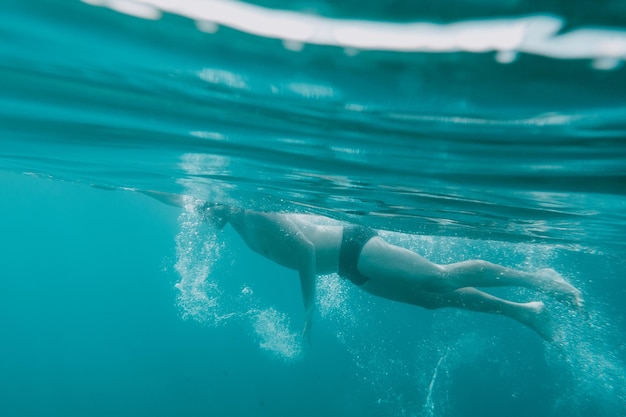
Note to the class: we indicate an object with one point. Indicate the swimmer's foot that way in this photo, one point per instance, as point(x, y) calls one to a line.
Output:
point(537, 318)
point(553, 283)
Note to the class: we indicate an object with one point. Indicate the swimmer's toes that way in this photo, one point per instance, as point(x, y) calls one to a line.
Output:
point(579, 301)
point(561, 289)
point(570, 297)
point(573, 296)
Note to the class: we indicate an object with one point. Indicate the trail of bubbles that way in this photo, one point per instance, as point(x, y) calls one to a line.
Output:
point(451, 352)
point(592, 376)
point(332, 297)
point(197, 245)
point(200, 297)
point(429, 405)
point(198, 250)
point(273, 330)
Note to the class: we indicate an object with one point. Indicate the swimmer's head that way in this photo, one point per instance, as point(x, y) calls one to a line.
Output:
point(215, 214)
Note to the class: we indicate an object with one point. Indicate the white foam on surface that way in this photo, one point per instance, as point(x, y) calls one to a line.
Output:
point(536, 34)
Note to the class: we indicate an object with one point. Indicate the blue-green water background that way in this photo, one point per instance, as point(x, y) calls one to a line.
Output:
point(115, 303)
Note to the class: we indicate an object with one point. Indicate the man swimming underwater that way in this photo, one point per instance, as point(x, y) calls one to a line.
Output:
point(358, 254)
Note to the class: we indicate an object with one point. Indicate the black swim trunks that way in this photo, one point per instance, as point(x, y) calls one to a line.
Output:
point(354, 238)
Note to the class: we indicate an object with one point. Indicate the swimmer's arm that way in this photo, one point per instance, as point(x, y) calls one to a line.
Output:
point(305, 252)
point(307, 284)
point(296, 246)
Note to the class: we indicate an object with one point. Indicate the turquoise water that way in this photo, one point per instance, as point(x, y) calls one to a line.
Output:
point(462, 130)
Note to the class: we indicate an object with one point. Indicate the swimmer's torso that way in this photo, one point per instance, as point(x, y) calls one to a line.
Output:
point(269, 235)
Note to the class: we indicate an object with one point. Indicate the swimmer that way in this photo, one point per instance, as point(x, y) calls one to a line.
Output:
point(361, 256)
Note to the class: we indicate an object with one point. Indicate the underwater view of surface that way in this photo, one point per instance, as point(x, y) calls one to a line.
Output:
point(460, 129)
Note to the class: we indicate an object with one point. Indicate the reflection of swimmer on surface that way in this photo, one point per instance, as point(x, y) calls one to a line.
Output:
point(357, 253)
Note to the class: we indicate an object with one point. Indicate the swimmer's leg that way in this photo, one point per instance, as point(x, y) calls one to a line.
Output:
point(532, 314)
point(478, 273)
